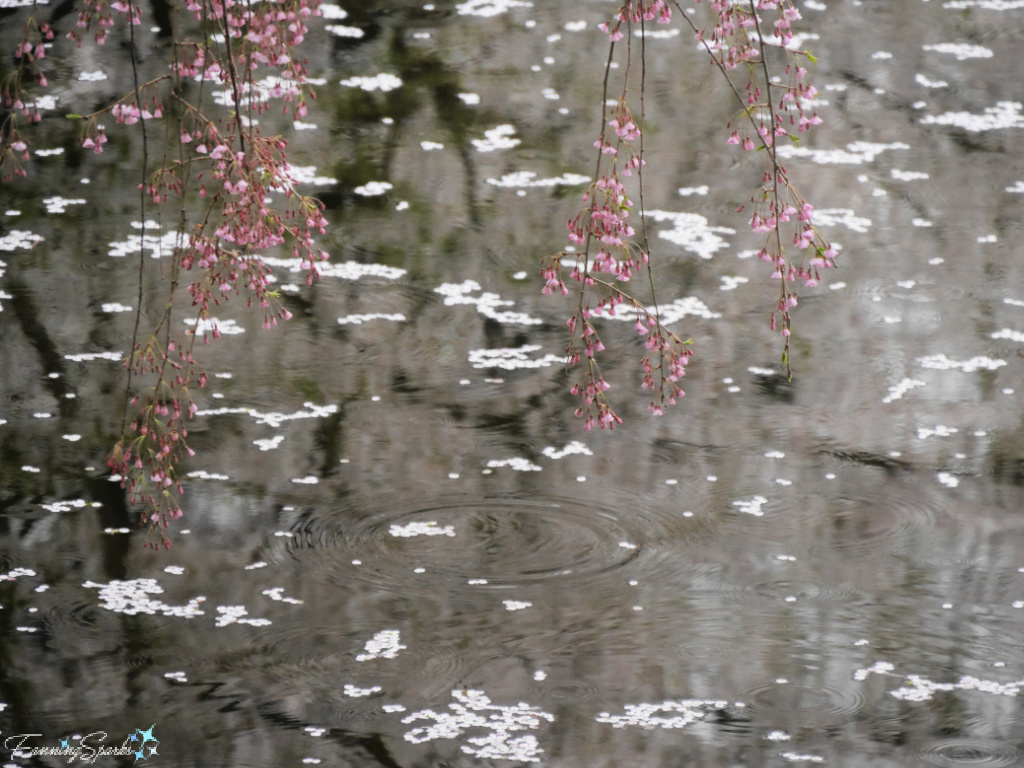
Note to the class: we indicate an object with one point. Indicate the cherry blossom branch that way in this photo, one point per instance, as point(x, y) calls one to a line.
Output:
point(729, 40)
point(223, 164)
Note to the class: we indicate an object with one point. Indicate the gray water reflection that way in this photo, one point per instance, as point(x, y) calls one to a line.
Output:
point(392, 511)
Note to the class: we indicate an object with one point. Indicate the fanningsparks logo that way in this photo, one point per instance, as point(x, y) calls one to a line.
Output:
point(141, 745)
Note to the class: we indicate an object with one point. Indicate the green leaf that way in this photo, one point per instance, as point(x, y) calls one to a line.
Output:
point(73, 117)
point(811, 57)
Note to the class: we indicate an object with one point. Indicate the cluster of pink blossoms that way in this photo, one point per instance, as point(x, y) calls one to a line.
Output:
point(772, 110)
point(635, 13)
point(99, 12)
point(29, 51)
point(604, 258)
point(233, 169)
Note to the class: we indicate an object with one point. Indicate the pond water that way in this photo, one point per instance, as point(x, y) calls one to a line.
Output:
point(400, 548)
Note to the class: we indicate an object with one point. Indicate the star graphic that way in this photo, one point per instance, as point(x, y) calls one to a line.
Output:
point(138, 756)
point(64, 743)
point(152, 749)
point(148, 734)
point(133, 738)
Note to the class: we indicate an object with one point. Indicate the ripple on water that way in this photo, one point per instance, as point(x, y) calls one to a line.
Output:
point(505, 541)
point(698, 649)
point(788, 698)
point(952, 753)
point(768, 597)
point(564, 691)
point(863, 525)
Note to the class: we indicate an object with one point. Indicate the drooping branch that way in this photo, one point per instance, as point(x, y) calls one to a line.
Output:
point(734, 37)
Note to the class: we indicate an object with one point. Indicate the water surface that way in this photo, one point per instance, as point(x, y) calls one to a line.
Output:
point(400, 548)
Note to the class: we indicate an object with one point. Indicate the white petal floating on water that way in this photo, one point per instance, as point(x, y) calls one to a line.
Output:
point(657, 34)
point(575, 447)
point(922, 80)
point(908, 175)
point(360, 319)
point(919, 688)
point(729, 282)
point(306, 174)
point(354, 692)
point(269, 444)
point(17, 238)
point(692, 232)
point(499, 137)
point(384, 645)
point(213, 325)
point(132, 597)
point(799, 757)
point(526, 179)
point(157, 245)
point(752, 506)
point(342, 31)
point(202, 474)
point(980, 363)
point(430, 528)
point(383, 82)
point(277, 594)
point(472, 709)
point(987, 5)
point(15, 573)
point(1005, 114)
point(513, 359)
point(962, 51)
point(855, 154)
point(668, 312)
point(844, 216)
point(665, 715)
point(488, 8)
point(486, 303)
point(1008, 333)
point(898, 391)
point(60, 204)
point(235, 614)
point(518, 464)
point(69, 504)
point(373, 188)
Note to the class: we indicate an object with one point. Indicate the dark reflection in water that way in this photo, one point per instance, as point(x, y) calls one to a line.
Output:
point(399, 545)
